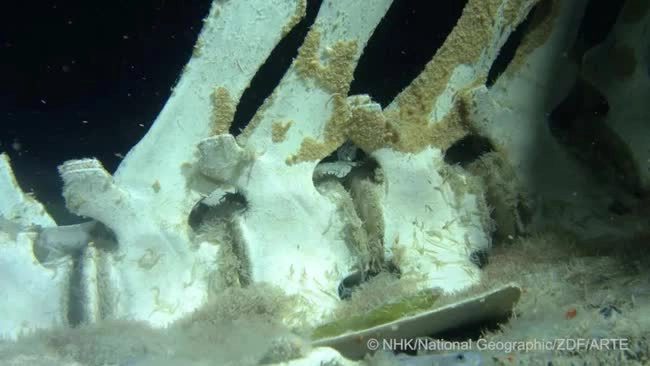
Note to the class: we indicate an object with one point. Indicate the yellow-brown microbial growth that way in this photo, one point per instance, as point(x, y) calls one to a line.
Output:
point(223, 111)
point(512, 11)
point(537, 33)
point(301, 11)
point(332, 70)
point(466, 42)
point(311, 149)
point(452, 127)
point(369, 130)
point(279, 131)
point(334, 77)
point(455, 125)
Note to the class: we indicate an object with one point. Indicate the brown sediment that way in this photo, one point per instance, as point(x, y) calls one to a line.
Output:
point(333, 77)
point(301, 11)
point(279, 131)
point(537, 33)
point(369, 130)
point(223, 110)
point(464, 45)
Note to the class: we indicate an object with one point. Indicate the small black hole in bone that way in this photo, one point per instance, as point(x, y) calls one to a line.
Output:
point(479, 257)
point(352, 282)
point(197, 215)
point(467, 149)
point(212, 207)
point(348, 151)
